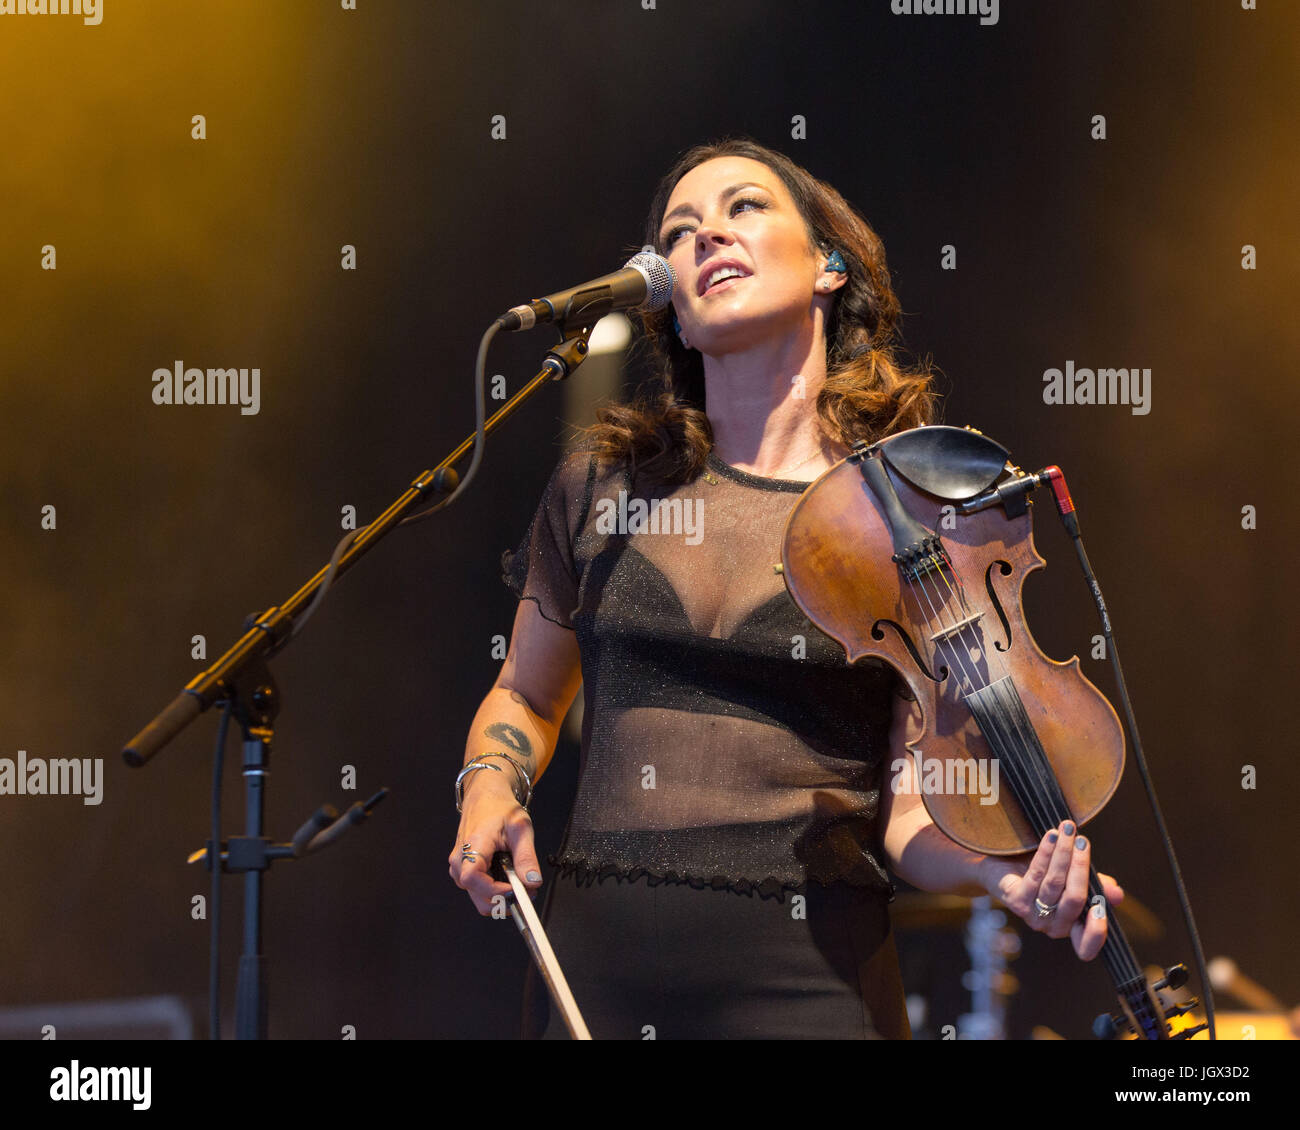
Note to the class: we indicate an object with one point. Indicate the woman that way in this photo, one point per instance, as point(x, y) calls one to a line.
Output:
point(724, 870)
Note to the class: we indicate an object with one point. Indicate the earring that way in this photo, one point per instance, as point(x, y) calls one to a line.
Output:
point(677, 329)
point(835, 262)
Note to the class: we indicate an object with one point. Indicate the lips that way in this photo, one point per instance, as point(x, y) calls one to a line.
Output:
point(713, 268)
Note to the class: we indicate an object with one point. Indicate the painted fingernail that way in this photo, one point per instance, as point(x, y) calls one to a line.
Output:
point(1068, 828)
point(1099, 908)
point(1081, 843)
point(533, 877)
point(1051, 837)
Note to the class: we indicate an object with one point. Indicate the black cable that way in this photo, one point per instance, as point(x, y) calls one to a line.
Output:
point(480, 417)
point(1072, 526)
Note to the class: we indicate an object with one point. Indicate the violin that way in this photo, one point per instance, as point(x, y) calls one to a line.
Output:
point(914, 550)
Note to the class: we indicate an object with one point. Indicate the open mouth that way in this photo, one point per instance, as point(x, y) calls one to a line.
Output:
point(725, 284)
point(722, 277)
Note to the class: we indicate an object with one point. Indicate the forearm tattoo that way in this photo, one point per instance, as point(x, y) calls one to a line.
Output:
point(515, 742)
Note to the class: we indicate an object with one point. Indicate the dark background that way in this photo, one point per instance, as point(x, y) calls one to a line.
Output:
point(372, 127)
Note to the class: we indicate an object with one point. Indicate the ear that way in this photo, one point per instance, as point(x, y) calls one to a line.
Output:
point(834, 271)
point(830, 281)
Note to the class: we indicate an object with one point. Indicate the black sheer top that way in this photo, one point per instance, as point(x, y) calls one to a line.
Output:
point(725, 739)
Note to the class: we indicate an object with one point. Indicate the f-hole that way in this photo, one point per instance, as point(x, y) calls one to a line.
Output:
point(1005, 568)
point(877, 634)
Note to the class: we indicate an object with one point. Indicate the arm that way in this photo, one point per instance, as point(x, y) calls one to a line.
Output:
point(918, 852)
point(521, 716)
point(522, 713)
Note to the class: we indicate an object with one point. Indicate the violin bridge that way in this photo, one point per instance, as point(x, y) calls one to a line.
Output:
point(955, 629)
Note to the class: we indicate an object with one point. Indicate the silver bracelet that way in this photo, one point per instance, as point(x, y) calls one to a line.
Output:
point(460, 777)
point(480, 762)
point(523, 776)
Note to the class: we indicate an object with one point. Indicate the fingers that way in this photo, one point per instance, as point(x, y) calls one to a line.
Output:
point(1114, 892)
point(519, 838)
point(1089, 934)
point(1057, 878)
point(1060, 887)
point(1036, 873)
point(1074, 898)
point(472, 876)
point(1045, 881)
point(513, 834)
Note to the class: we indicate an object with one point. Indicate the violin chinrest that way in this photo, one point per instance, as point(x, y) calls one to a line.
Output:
point(949, 463)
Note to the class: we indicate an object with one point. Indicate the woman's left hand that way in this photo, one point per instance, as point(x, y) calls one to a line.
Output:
point(1057, 877)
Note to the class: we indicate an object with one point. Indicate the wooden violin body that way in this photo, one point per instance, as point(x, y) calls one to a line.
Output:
point(948, 637)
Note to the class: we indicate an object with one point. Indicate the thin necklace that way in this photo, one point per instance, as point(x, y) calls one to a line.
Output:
point(785, 470)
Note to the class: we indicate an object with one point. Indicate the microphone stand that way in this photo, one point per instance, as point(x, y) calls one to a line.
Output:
point(241, 677)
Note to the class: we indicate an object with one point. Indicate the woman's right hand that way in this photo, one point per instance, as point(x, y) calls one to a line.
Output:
point(492, 820)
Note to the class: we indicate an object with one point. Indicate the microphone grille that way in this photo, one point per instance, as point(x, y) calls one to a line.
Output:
point(659, 277)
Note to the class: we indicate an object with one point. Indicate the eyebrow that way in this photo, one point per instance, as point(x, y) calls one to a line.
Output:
point(726, 194)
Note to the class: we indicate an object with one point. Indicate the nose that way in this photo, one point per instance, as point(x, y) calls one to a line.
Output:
point(712, 232)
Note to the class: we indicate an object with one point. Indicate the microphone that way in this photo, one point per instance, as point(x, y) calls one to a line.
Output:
point(645, 282)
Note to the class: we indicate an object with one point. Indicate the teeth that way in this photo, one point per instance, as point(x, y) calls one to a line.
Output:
point(725, 273)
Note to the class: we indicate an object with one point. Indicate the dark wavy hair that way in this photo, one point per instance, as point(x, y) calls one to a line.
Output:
point(868, 392)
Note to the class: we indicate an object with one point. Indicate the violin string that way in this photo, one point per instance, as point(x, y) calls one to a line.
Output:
point(1044, 783)
point(916, 583)
point(1040, 788)
point(1029, 768)
point(1007, 739)
point(1118, 959)
point(1000, 745)
point(1117, 956)
point(938, 616)
point(1032, 765)
point(918, 589)
point(1000, 739)
point(1008, 720)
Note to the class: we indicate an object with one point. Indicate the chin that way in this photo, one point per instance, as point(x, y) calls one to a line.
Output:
point(741, 334)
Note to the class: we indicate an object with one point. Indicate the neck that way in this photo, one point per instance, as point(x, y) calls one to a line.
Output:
point(763, 404)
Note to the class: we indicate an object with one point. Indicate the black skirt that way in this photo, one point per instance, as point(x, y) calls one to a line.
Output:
point(655, 959)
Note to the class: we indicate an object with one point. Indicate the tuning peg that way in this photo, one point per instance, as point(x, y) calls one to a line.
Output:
point(1110, 1027)
point(1175, 978)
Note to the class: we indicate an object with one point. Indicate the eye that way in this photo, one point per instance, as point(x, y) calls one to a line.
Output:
point(671, 236)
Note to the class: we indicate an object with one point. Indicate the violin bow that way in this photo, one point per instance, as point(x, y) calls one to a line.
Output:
point(530, 926)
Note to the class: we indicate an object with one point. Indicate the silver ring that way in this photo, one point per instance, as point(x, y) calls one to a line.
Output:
point(1044, 911)
point(467, 852)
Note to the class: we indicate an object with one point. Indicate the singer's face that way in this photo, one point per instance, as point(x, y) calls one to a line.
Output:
point(734, 212)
